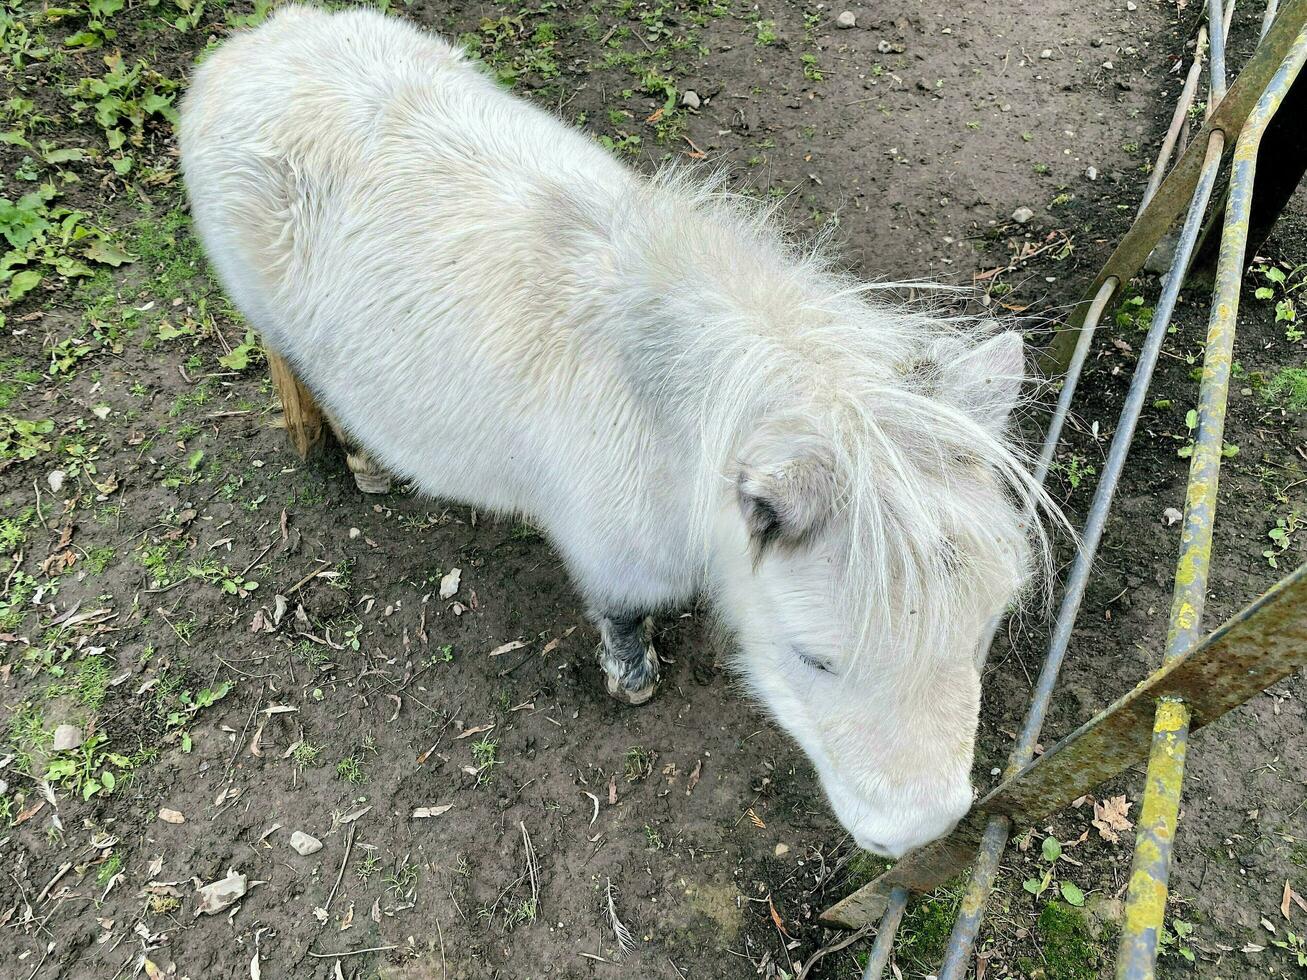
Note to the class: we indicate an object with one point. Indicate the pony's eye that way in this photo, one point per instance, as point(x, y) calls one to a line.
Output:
point(812, 662)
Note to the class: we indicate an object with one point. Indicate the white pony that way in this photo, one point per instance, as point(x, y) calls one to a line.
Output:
point(491, 306)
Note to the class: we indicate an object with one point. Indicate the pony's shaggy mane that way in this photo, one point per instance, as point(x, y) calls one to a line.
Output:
point(781, 333)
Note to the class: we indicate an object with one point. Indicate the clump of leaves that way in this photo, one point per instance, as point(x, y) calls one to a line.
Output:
point(637, 763)
point(23, 438)
point(1281, 537)
point(89, 769)
point(44, 237)
point(1281, 288)
point(124, 99)
point(1174, 941)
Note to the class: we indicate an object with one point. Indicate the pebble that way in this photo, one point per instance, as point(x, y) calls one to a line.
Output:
point(66, 737)
point(782, 850)
point(846, 20)
point(305, 844)
point(1046, 53)
point(690, 99)
point(1022, 215)
point(1091, 173)
point(171, 816)
point(1131, 6)
point(1172, 516)
point(884, 47)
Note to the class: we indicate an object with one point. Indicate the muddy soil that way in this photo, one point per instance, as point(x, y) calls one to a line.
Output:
point(251, 648)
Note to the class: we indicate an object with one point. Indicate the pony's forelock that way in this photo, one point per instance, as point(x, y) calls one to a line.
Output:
point(929, 493)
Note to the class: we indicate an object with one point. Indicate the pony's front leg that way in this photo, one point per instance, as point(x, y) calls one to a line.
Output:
point(627, 657)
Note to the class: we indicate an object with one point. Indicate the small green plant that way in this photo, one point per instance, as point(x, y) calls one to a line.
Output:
point(104, 874)
point(89, 769)
point(403, 879)
point(485, 753)
point(654, 838)
point(350, 769)
point(1077, 469)
point(1282, 289)
point(1174, 941)
point(1295, 944)
point(367, 867)
point(1281, 537)
point(765, 33)
point(307, 754)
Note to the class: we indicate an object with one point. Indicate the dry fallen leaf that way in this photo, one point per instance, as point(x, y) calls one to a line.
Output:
point(1110, 817)
point(507, 648)
point(776, 918)
point(469, 732)
point(755, 819)
point(1291, 897)
point(221, 894)
point(693, 781)
point(432, 811)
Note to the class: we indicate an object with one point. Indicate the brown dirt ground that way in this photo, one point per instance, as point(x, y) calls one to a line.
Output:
point(932, 122)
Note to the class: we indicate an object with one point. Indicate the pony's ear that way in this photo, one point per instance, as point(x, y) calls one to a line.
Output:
point(786, 500)
point(985, 381)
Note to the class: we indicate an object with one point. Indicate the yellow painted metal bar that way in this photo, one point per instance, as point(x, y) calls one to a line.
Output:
point(1146, 898)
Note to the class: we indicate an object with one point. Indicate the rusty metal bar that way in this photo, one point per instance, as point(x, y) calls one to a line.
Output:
point(1159, 813)
point(1178, 186)
point(1252, 651)
point(1259, 647)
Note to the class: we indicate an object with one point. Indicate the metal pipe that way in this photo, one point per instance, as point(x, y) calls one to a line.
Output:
point(1178, 119)
point(1272, 7)
point(961, 942)
point(878, 959)
point(1159, 813)
point(1216, 27)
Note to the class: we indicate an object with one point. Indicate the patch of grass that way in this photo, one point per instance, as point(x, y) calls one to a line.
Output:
point(350, 769)
point(403, 879)
point(92, 681)
point(485, 753)
point(1070, 952)
point(108, 869)
point(1288, 389)
point(307, 754)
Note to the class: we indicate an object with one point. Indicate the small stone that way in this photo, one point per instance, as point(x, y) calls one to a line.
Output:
point(171, 816)
point(449, 583)
point(1096, 42)
point(354, 533)
point(1091, 173)
point(1108, 66)
point(305, 844)
point(884, 47)
point(690, 99)
point(1131, 6)
point(782, 850)
point(66, 737)
point(55, 480)
point(846, 20)
point(1022, 215)
point(1046, 53)
point(1172, 516)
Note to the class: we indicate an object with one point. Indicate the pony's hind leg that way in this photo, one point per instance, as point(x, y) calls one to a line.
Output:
point(627, 657)
point(368, 473)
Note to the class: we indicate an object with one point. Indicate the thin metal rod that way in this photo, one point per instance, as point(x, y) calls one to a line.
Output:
point(1178, 119)
point(1269, 17)
point(1216, 28)
point(1159, 812)
point(1069, 382)
point(885, 933)
point(962, 941)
